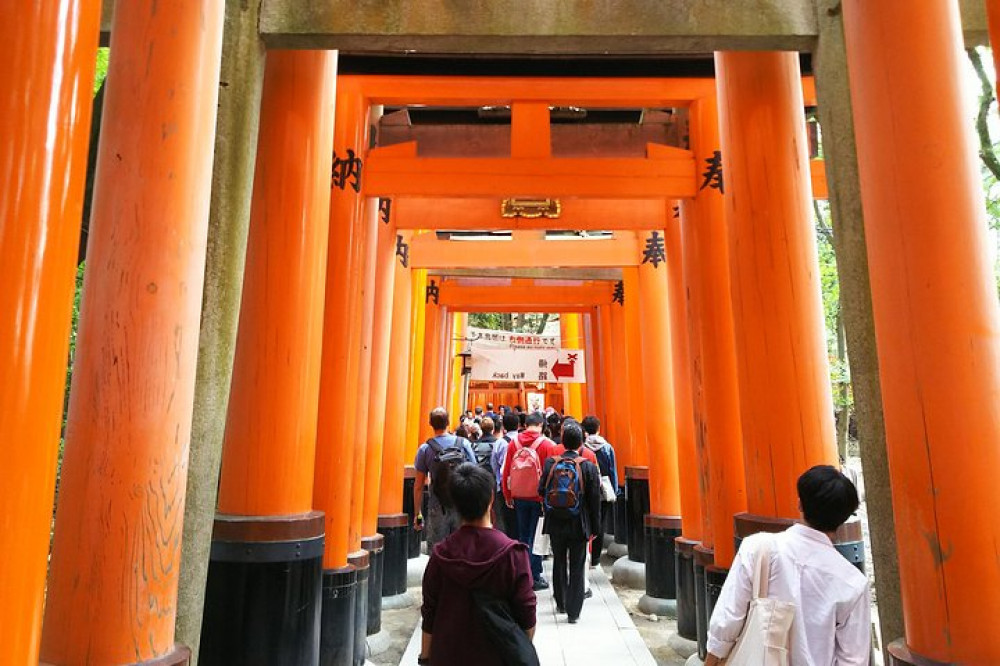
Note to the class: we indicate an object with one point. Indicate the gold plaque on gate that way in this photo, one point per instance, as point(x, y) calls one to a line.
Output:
point(531, 208)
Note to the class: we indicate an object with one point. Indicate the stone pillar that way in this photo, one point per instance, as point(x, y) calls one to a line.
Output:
point(785, 399)
point(241, 81)
point(43, 165)
point(265, 519)
point(344, 585)
point(937, 321)
point(121, 498)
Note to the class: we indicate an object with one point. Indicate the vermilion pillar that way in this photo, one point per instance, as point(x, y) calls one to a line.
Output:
point(621, 406)
point(784, 372)
point(335, 445)
point(719, 432)
point(571, 334)
point(687, 455)
point(937, 322)
point(42, 168)
point(638, 416)
point(266, 484)
point(418, 298)
point(431, 369)
point(595, 395)
point(113, 573)
point(609, 421)
point(455, 347)
point(663, 523)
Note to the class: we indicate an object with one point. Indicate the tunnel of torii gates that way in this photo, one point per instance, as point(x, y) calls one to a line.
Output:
point(316, 356)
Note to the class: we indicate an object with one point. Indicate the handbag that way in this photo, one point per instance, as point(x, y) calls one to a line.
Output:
point(607, 490)
point(766, 634)
point(540, 546)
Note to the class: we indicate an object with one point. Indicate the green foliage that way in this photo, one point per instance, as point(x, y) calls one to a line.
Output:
point(102, 67)
point(530, 322)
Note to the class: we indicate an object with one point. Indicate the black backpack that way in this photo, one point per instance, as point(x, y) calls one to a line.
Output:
point(445, 460)
point(484, 454)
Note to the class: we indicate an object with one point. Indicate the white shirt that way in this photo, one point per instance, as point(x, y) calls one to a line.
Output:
point(832, 625)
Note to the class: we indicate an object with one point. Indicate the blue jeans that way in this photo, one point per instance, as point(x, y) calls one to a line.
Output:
point(527, 513)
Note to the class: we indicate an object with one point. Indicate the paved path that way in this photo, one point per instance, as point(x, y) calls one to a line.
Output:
point(604, 636)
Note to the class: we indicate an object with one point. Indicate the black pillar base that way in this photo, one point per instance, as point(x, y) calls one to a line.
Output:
point(715, 577)
point(659, 535)
point(375, 545)
point(412, 536)
point(848, 540)
point(340, 587)
point(256, 560)
point(703, 558)
point(687, 608)
point(898, 653)
point(394, 528)
point(637, 501)
point(621, 520)
point(362, 565)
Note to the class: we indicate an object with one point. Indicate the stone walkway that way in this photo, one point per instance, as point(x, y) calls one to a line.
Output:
point(605, 634)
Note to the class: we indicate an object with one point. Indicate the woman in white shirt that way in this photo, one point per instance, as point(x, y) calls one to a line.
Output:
point(832, 625)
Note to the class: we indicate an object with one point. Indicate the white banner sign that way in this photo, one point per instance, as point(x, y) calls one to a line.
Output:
point(484, 338)
point(563, 366)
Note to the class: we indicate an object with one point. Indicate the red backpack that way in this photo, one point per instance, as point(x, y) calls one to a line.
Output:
point(525, 471)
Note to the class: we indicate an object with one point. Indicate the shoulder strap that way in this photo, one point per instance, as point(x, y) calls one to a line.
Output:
point(435, 445)
point(762, 568)
point(538, 442)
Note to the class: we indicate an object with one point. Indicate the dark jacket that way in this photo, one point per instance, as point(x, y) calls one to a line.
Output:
point(471, 559)
point(584, 525)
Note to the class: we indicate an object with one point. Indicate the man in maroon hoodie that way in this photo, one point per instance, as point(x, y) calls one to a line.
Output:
point(522, 470)
point(476, 558)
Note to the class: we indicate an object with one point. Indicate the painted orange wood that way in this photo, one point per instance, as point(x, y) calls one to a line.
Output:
point(432, 366)
point(672, 176)
point(718, 424)
point(270, 443)
point(658, 384)
point(937, 320)
point(546, 297)
point(426, 251)
point(571, 331)
point(112, 588)
point(639, 417)
point(334, 446)
point(45, 109)
point(621, 403)
point(484, 214)
point(390, 496)
point(365, 321)
point(687, 456)
point(418, 318)
point(378, 416)
point(787, 407)
point(530, 132)
point(608, 395)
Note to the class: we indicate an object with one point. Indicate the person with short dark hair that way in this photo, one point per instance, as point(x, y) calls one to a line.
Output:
point(569, 532)
point(604, 454)
point(832, 623)
point(475, 559)
point(441, 518)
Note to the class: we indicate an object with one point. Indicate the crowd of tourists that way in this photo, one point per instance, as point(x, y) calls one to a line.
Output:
point(504, 482)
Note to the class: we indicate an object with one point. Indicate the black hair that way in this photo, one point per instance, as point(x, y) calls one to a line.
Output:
point(521, 419)
point(534, 419)
point(471, 489)
point(591, 424)
point(479, 410)
point(510, 421)
point(572, 435)
point(462, 431)
point(828, 498)
point(554, 419)
point(439, 418)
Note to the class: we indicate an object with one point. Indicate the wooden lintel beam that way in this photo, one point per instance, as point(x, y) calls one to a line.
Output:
point(426, 251)
point(457, 296)
point(484, 214)
point(669, 174)
point(489, 27)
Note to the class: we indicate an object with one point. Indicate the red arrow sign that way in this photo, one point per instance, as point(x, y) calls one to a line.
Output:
point(567, 369)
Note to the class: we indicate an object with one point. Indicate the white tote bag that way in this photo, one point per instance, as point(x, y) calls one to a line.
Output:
point(541, 546)
point(766, 635)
